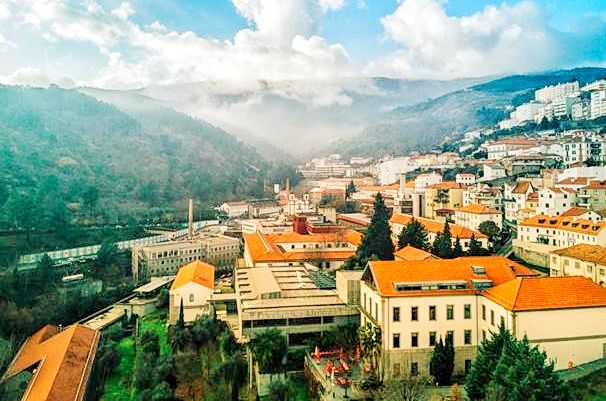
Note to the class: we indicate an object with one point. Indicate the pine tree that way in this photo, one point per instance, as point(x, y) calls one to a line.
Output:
point(377, 240)
point(351, 188)
point(442, 362)
point(457, 250)
point(475, 247)
point(44, 271)
point(414, 234)
point(442, 245)
point(181, 320)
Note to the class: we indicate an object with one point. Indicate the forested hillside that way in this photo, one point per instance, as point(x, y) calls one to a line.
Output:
point(425, 125)
point(65, 157)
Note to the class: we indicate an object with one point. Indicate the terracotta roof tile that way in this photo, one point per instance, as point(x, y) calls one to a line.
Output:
point(446, 185)
point(594, 184)
point(521, 187)
point(63, 361)
point(585, 252)
point(387, 274)
point(435, 226)
point(195, 272)
point(541, 293)
point(477, 209)
point(412, 253)
point(568, 223)
point(575, 211)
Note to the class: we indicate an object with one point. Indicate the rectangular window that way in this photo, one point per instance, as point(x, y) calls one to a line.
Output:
point(483, 335)
point(432, 313)
point(414, 368)
point(467, 311)
point(376, 311)
point(450, 336)
point(503, 321)
point(414, 313)
point(414, 340)
point(492, 317)
point(396, 340)
point(467, 337)
point(396, 314)
point(191, 297)
point(467, 365)
point(483, 312)
point(432, 338)
point(449, 312)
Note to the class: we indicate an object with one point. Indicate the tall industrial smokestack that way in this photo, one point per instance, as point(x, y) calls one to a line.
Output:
point(190, 219)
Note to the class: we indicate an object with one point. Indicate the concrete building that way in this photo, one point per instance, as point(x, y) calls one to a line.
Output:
point(473, 215)
point(507, 147)
point(493, 171)
point(581, 110)
point(593, 196)
point(389, 171)
point(562, 230)
point(483, 194)
point(297, 300)
point(555, 201)
point(327, 251)
point(549, 94)
point(164, 259)
point(516, 198)
point(415, 303)
point(399, 221)
point(525, 112)
point(266, 226)
point(193, 287)
point(598, 104)
point(580, 260)
point(441, 199)
point(465, 179)
point(426, 179)
point(234, 209)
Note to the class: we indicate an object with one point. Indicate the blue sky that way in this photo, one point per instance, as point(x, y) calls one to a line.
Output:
point(116, 43)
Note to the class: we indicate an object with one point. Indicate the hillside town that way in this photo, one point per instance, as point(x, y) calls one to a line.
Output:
point(366, 271)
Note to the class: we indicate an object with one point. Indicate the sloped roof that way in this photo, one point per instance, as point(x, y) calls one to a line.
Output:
point(435, 226)
point(477, 209)
point(195, 272)
point(543, 293)
point(412, 253)
point(595, 184)
point(387, 274)
point(446, 185)
point(63, 361)
point(521, 187)
point(585, 252)
point(567, 223)
point(575, 211)
point(574, 181)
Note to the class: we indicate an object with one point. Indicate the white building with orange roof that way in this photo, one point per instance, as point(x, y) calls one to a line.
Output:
point(444, 196)
point(426, 179)
point(415, 303)
point(465, 179)
point(562, 230)
point(411, 253)
point(193, 287)
point(399, 221)
point(504, 148)
point(575, 183)
point(555, 201)
point(580, 260)
point(327, 251)
point(515, 198)
point(472, 216)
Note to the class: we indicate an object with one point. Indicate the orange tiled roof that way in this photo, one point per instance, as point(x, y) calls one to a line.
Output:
point(594, 184)
point(541, 293)
point(575, 211)
point(412, 253)
point(435, 226)
point(379, 188)
point(388, 273)
point(195, 272)
point(446, 185)
point(266, 247)
point(477, 209)
point(63, 361)
point(352, 219)
point(568, 223)
point(585, 252)
point(514, 141)
point(521, 187)
point(574, 181)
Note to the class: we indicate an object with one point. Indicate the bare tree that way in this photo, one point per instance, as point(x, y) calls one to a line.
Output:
point(405, 389)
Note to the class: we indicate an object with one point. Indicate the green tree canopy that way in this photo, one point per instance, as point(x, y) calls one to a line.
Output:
point(351, 188)
point(377, 240)
point(269, 348)
point(414, 234)
point(442, 362)
point(475, 247)
point(489, 229)
point(442, 245)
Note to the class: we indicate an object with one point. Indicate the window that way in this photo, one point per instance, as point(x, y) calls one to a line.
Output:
point(396, 340)
point(467, 339)
point(483, 334)
point(414, 340)
point(191, 297)
point(450, 336)
point(449, 312)
point(376, 311)
point(432, 338)
point(503, 321)
point(414, 368)
point(577, 265)
point(365, 302)
point(467, 365)
point(432, 313)
point(414, 313)
point(589, 269)
point(483, 312)
point(492, 317)
point(467, 311)
point(396, 314)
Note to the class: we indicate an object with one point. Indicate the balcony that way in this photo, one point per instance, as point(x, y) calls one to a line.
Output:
point(582, 195)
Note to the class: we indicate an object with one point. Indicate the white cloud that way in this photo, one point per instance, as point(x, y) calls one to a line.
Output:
point(4, 11)
point(496, 40)
point(6, 44)
point(124, 11)
point(26, 76)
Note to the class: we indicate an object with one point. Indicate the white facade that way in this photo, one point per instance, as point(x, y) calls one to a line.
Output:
point(555, 201)
point(598, 104)
point(493, 172)
point(549, 94)
point(424, 180)
point(465, 179)
point(389, 171)
point(562, 231)
point(234, 209)
point(195, 302)
point(474, 215)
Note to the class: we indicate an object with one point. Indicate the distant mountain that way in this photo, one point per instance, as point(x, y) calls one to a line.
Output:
point(424, 125)
point(298, 117)
point(66, 155)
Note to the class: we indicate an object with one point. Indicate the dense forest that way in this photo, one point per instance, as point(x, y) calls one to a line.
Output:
point(67, 159)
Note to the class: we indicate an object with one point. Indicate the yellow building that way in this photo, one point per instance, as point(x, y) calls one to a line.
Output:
point(441, 199)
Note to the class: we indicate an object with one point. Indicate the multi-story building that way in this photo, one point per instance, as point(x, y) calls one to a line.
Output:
point(555, 201)
point(442, 198)
point(507, 147)
point(192, 288)
point(598, 104)
point(422, 181)
point(574, 183)
point(483, 194)
point(165, 258)
point(465, 179)
point(562, 230)
point(415, 303)
point(473, 215)
point(581, 110)
point(525, 112)
point(234, 209)
point(399, 221)
point(389, 171)
point(493, 171)
point(327, 251)
point(552, 93)
point(580, 260)
point(593, 196)
point(297, 300)
point(515, 198)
